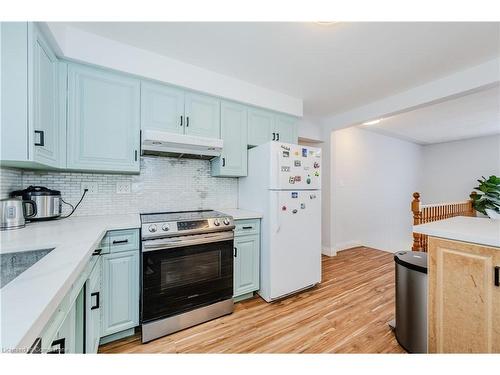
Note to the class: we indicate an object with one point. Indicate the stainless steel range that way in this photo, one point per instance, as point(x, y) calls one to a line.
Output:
point(187, 270)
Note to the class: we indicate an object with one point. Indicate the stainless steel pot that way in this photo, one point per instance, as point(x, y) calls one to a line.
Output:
point(13, 212)
point(48, 203)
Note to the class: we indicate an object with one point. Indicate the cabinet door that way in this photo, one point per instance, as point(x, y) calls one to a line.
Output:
point(285, 128)
point(202, 115)
point(120, 292)
point(45, 102)
point(162, 108)
point(246, 264)
point(260, 126)
point(464, 303)
point(233, 160)
point(93, 309)
point(103, 120)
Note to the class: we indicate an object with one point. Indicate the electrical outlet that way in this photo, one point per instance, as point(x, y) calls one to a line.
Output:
point(123, 187)
point(92, 187)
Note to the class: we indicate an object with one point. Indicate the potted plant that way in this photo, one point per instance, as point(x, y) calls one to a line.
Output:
point(487, 199)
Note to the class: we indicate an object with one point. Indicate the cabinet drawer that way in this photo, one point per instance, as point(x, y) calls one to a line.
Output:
point(122, 240)
point(244, 227)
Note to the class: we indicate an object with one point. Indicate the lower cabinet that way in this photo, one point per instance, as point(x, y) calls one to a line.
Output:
point(93, 309)
point(246, 258)
point(120, 291)
point(464, 297)
point(246, 264)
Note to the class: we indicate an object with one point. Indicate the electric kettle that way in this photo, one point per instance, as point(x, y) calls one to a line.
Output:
point(13, 212)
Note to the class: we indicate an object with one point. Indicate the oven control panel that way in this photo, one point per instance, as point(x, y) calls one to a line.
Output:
point(180, 228)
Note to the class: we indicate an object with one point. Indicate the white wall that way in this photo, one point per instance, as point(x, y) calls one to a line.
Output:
point(373, 178)
point(450, 170)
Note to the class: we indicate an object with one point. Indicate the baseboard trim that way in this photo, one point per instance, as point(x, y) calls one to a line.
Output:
point(328, 251)
point(117, 336)
point(347, 245)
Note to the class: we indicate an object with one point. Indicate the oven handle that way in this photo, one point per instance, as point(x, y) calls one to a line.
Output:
point(174, 242)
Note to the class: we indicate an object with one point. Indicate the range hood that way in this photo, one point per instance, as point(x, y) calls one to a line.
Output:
point(154, 142)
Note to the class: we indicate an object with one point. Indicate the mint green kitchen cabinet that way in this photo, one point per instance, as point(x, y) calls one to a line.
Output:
point(202, 115)
point(69, 338)
point(93, 309)
point(246, 258)
point(260, 126)
point(120, 291)
point(285, 129)
point(33, 99)
point(162, 108)
point(103, 120)
point(233, 159)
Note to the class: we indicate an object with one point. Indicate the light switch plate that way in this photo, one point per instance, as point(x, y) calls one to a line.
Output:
point(123, 187)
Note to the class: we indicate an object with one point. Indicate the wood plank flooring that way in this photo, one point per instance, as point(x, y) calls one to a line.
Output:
point(347, 313)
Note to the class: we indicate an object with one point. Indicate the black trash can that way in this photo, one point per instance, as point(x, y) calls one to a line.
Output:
point(411, 300)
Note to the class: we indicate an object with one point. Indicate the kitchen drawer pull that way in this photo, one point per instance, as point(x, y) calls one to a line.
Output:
point(247, 227)
point(497, 276)
point(97, 252)
point(117, 242)
point(235, 252)
point(62, 346)
point(96, 306)
point(41, 141)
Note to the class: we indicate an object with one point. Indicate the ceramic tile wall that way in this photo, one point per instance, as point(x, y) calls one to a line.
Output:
point(10, 179)
point(165, 184)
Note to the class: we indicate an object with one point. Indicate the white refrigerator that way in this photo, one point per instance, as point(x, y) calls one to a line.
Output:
point(284, 184)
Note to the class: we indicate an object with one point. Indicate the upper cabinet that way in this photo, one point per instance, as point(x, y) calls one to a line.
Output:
point(285, 129)
point(33, 99)
point(162, 108)
point(202, 115)
point(265, 126)
point(172, 110)
point(103, 120)
point(260, 126)
point(233, 160)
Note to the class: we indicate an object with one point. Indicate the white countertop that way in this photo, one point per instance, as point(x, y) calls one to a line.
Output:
point(28, 301)
point(239, 214)
point(482, 231)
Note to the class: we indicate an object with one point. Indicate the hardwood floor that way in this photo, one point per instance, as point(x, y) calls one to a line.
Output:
point(347, 313)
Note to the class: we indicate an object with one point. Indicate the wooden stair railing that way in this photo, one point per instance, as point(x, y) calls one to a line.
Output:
point(433, 212)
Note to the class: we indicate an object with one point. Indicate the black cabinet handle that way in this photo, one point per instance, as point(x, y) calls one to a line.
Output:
point(277, 136)
point(41, 141)
point(97, 304)
point(274, 136)
point(117, 242)
point(249, 227)
point(235, 251)
point(61, 343)
point(181, 120)
point(497, 276)
point(36, 348)
point(187, 121)
point(223, 162)
point(97, 252)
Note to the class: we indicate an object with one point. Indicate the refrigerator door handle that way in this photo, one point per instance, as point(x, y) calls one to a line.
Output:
point(278, 225)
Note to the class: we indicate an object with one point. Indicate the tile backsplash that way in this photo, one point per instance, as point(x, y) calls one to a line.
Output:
point(10, 179)
point(164, 184)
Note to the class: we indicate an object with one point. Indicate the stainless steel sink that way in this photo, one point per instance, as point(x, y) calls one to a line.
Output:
point(13, 264)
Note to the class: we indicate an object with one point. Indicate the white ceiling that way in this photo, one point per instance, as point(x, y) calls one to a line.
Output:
point(333, 67)
point(469, 116)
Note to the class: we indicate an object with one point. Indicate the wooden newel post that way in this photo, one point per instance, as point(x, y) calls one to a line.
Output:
point(417, 219)
point(471, 204)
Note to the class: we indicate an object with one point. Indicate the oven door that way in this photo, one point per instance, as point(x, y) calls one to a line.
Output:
point(184, 273)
